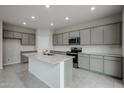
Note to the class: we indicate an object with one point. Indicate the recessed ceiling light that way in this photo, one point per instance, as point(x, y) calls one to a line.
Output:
point(47, 6)
point(66, 18)
point(51, 24)
point(92, 8)
point(33, 17)
point(24, 23)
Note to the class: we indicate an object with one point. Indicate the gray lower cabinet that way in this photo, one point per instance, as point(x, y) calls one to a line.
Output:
point(113, 68)
point(85, 37)
point(65, 38)
point(83, 61)
point(103, 64)
point(97, 35)
point(96, 63)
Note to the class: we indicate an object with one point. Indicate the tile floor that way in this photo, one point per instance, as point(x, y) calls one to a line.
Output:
point(17, 76)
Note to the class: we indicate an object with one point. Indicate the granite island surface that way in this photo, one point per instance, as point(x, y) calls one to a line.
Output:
point(54, 70)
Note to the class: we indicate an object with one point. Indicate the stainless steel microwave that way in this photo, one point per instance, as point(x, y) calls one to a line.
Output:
point(74, 41)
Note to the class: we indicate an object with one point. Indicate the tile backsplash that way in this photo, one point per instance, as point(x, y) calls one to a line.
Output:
point(110, 49)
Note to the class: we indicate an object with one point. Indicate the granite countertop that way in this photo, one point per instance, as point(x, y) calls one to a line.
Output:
point(102, 54)
point(54, 59)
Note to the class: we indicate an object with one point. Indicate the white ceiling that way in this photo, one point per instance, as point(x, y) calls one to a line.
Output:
point(56, 14)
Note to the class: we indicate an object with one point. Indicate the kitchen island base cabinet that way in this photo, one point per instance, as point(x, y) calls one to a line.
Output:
point(54, 75)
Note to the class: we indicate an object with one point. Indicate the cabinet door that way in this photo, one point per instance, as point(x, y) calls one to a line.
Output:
point(85, 36)
point(74, 34)
point(110, 34)
point(113, 68)
point(119, 33)
point(31, 38)
point(25, 39)
point(8, 34)
point(96, 63)
point(60, 39)
point(17, 35)
point(55, 39)
point(83, 61)
point(97, 35)
point(65, 38)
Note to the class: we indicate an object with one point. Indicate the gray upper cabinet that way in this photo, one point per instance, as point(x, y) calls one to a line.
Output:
point(109, 34)
point(112, 34)
point(60, 37)
point(8, 34)
point(97, 35)
point(24, 39)
point(31, 38)
point(65, 38)
point(85, 36)
point(28, 39)
point(17, 35)
point(55, 39)
point(74, 34)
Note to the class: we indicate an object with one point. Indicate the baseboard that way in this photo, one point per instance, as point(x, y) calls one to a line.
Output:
point(11, 63)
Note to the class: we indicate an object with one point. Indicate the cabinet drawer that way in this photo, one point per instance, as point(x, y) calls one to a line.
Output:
point(83, 55)
point(113, 58)
point(94, 56)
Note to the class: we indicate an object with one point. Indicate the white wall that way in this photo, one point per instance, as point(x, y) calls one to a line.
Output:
point(11, 51)
point(102, 48)
point(123, 40)
point(1, 46)
point(43, 39)
point(13, 47)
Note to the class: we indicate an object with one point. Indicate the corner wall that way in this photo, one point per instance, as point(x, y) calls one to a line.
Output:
point(1, 45)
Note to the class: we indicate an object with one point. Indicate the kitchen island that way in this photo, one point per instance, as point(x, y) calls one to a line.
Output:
point(54, 70)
